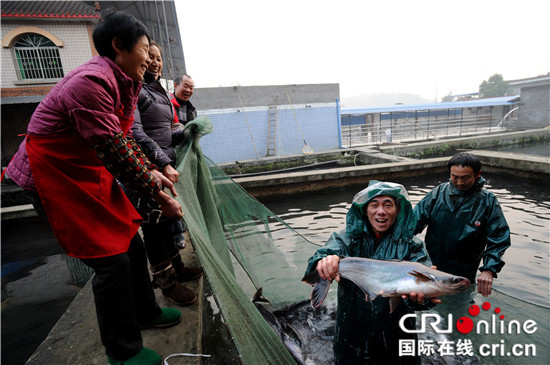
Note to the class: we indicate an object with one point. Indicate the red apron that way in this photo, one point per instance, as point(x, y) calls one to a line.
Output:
point(89, 213)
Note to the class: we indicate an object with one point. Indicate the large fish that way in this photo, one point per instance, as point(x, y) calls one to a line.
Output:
point(388, 279)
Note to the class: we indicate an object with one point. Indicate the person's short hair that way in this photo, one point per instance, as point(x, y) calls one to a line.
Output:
point(466, 160)
point(117, 24)
point(178, 79)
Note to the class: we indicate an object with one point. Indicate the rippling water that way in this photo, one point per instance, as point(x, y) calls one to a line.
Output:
point(522, 287)
point(526, 206)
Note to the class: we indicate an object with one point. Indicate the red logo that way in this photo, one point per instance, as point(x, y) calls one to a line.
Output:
point(465, 324)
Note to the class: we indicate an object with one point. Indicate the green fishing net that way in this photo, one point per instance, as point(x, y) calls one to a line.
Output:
point(242, 246)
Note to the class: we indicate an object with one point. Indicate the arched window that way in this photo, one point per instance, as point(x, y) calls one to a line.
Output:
point(36, 57)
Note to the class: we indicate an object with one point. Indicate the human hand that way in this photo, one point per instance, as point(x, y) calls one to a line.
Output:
point(327, 267)
point(419, 298)
point(485, 283)
point(171, 173)
point(163, 182)
point(170, 207)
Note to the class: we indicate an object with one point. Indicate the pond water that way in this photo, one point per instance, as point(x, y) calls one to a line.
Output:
point(526, 206)
point(39, 282)
point(522, 287)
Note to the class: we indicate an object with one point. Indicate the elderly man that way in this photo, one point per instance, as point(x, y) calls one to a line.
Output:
point(379, 225)
point(184, 88)
point(465, 224)
point(185, 112)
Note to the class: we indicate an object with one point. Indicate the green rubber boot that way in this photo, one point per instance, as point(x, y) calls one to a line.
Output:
point(144, 357)
point(168, 318)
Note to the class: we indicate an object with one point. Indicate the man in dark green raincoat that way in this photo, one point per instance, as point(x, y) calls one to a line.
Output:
point(379, 225)
point(465, 224)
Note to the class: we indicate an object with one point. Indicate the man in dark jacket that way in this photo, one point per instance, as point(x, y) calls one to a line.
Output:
point(465, 224)
point(379, 225)
point(184, 88)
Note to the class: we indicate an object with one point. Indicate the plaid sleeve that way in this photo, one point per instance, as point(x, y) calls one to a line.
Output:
point(139, 153)
point(121, 160)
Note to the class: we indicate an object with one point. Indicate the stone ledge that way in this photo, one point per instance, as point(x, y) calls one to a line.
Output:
point(75, 337)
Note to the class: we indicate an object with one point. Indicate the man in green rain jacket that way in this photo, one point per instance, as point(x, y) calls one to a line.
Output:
point(379, 225)
point(465, 224)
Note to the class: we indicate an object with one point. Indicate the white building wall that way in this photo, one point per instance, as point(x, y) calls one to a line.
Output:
point(76, 48)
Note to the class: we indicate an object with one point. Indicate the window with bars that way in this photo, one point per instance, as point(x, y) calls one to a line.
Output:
point(36, 57)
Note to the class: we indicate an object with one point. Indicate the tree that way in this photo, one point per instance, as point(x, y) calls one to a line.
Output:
point(495, 86)
point(448, 97)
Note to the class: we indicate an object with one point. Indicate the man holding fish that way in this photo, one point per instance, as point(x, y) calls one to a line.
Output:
point(379, 226)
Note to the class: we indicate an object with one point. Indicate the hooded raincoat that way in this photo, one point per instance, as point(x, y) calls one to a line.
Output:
point(366, 333)
point(463, 228)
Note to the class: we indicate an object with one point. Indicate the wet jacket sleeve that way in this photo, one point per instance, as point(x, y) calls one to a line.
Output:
point(418, 252)
point(151, 149)
point(498, 238)
point(336, 245)
point(423, 210)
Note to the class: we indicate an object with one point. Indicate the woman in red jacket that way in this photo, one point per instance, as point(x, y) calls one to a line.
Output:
point(77, 147)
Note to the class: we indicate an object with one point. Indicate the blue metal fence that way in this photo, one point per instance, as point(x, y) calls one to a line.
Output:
point(242, 134)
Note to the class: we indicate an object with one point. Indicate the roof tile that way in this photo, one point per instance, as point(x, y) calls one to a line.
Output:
point(47, 9)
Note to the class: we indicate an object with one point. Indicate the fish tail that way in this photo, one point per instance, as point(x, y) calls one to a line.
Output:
point(320, 288)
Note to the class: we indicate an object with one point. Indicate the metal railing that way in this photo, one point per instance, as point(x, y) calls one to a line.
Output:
point(38, 63)
point(422, 129)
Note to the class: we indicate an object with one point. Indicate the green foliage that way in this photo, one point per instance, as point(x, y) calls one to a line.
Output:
point(448, 97)
point(495, 86)
point(431, 151)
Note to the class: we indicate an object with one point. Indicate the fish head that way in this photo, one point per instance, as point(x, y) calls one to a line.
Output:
point(454, 284)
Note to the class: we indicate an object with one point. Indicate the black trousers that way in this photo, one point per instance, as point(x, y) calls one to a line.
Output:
point(123, 295)
point(124, 299)
point(159, 241)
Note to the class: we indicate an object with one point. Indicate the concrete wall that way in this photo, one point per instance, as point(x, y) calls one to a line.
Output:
point(227, 97)
point(242, 134)
point(528, 166)
point(76, 49)
point(534, 111)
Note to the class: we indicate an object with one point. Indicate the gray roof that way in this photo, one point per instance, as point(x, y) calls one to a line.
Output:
point(47, 9)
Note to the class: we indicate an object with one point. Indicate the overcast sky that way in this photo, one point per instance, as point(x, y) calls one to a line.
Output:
point(429, 48)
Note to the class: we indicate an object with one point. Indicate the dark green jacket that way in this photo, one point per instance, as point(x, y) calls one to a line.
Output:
point(463, 228)
point(361, 325)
